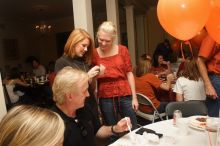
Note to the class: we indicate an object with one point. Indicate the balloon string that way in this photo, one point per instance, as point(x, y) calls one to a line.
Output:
point(190, 47)
point(181, 48)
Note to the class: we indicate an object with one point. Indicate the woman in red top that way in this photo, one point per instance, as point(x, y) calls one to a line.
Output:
point(146, 83)
point(116, 87)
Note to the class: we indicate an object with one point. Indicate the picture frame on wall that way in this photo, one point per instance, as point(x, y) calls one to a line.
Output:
point(10, 49)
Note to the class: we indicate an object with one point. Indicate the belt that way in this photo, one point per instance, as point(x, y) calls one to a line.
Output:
point(215, 74)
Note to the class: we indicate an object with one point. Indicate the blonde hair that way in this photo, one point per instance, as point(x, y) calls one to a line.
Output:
point(75, 37)
point(27, 125)
point(144, 66)
point(108, 27)
point(66, 82)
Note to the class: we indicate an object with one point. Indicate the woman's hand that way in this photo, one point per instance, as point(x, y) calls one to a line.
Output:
point(170, 77)
point(93, 71)
point(135, 103)
point(210, 91)
point(102, 69)
point(166, 63)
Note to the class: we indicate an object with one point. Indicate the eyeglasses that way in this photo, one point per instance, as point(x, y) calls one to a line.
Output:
point(82, 128)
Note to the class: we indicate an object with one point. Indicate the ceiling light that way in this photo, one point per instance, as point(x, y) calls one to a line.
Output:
point(43, 27)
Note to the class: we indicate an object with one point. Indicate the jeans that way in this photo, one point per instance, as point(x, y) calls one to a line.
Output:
point(112, 107)
point(213, 105)
point(162, 107)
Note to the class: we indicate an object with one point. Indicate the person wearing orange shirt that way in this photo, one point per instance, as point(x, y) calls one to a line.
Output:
point(146, 83)
point(209, 67)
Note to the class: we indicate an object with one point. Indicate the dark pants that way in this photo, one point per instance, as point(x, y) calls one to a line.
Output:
point(112, 107)
point(214, 104)
point(162, 107)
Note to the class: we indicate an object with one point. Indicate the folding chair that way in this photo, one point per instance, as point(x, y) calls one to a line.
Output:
point(9, 104)
point(144, 100)
point(188, 108)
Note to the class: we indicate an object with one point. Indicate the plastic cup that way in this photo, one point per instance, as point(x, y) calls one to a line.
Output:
point(211, 131)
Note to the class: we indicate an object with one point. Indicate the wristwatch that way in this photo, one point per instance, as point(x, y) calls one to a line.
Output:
point(112, 130)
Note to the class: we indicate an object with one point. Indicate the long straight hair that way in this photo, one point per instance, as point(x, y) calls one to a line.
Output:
point(191, 70)
point(75, 37)
point(144, 66)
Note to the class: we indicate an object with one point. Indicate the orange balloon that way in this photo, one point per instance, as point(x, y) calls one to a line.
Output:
point(183, 18)
point(197, 40)
point(213, 23)
point(215, 3)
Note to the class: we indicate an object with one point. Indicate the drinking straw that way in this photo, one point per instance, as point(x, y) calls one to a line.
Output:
point(129, 128)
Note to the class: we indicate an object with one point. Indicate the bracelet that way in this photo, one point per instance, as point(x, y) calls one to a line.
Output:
point(112, 130)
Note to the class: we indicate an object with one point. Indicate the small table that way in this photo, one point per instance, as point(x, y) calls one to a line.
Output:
point(171, 136)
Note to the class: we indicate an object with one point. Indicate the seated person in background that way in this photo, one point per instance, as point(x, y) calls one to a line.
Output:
point(70, 89)
point(160, 67)
point(190, 85)
point(51, 72)
point(38, 69)
point(15, 86)
point(164, 49)
point(146, 83)
point(31, 126)
point(146, 56)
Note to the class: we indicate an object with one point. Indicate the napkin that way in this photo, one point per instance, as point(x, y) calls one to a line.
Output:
point(151, 137)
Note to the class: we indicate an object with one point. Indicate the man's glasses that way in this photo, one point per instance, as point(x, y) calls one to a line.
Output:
point(81, 127)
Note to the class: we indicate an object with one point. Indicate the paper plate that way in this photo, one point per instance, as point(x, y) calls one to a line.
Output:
point(198, 122)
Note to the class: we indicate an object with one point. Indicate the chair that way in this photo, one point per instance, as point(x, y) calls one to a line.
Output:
point(188, 108)
point(9, 104)
point(144, 100)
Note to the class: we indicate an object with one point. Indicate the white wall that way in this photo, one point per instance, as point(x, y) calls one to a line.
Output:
point(149, 32)
point(141, 35)
point(156, 34)
point(2, 101)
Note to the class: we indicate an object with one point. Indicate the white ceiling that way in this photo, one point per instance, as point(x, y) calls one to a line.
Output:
point(35, 10)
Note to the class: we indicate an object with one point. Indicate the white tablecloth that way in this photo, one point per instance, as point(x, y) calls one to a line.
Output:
point(171, 136)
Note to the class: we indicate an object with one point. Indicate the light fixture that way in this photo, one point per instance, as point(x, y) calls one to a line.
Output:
point(43, 27)
point(42, 13)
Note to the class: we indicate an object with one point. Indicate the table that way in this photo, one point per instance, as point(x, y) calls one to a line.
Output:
point(171, 136)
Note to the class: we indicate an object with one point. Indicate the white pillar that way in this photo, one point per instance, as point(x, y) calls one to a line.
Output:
point(82, 11)
point(140, 31)
point(2, 101)
point(113, 16)
point(131, 32)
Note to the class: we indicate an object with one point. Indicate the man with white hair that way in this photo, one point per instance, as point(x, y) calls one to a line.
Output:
point(70, 89)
